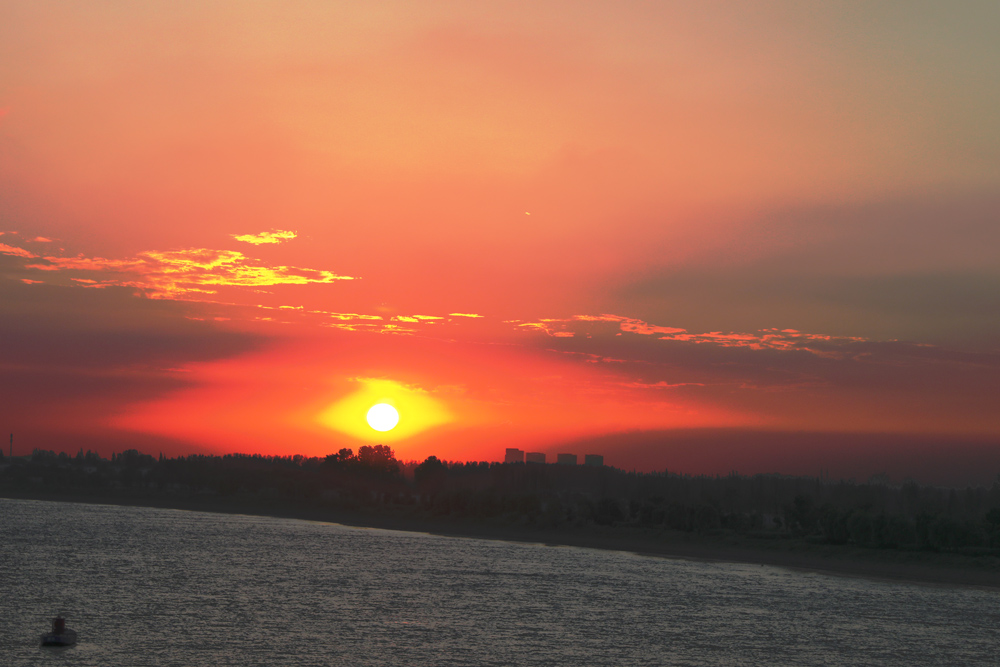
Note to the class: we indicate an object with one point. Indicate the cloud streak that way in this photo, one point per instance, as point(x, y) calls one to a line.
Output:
point(16, 252)
point(273, 236)
point(181, 274)
point(774, 339)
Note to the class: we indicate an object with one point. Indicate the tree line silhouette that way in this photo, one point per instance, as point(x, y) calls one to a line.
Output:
point(873, 514)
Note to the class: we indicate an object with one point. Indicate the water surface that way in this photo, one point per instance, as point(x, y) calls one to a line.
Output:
point(149, 586)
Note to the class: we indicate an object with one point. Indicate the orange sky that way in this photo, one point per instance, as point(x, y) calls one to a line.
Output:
point(530, 223)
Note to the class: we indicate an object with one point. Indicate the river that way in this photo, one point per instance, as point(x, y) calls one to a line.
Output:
point(146, 586)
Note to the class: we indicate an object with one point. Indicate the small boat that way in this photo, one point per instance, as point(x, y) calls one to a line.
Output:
point(60, 635)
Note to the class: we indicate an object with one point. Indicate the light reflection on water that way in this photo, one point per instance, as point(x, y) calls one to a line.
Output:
point(165, 587)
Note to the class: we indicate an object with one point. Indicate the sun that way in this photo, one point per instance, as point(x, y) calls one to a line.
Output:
point(382, 417)
point(420, 410)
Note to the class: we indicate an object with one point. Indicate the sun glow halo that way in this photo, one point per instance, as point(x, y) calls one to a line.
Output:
point(421, 410)
point(382, 417)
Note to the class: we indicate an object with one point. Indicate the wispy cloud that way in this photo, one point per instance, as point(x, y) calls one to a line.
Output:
point(774, 339)
point(194, 273)
point(349, 316)
point(273, 236)
point(629, 324)
point(177, 273)
point(16, 252)
point(427, 319)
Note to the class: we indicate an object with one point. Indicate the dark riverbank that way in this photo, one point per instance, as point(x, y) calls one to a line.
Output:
point(892, 564)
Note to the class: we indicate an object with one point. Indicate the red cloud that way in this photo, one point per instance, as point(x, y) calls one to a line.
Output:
point(16, 252)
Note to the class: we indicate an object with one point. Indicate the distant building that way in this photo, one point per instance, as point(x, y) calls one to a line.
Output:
point(593, 460)
point(566, 459)
point(514, 456)
point(535, 457)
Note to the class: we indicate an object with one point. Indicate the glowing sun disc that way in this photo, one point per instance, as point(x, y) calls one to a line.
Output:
point(382, 417)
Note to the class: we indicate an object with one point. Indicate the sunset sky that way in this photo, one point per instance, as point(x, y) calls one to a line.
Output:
point(698, 236)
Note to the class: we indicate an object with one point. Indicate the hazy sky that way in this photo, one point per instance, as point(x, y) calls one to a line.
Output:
point(230, 226)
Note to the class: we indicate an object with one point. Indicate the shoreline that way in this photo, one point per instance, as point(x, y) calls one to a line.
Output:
point(947, 569)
